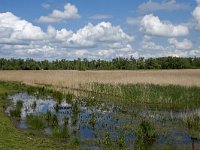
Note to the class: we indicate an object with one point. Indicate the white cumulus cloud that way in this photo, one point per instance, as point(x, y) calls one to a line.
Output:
point(184, 45)
point(103, 32)
point(149, 45)
point(20, 38)
point(70, 12)
point(15, 28)
point(152, 25)
point(196, 14)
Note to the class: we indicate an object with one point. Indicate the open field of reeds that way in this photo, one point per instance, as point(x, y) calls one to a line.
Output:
point(72, 79)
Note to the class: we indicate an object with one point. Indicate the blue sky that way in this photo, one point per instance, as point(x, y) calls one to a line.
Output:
point(99, 29)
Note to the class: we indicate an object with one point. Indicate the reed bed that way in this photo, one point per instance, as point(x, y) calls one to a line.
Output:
point(168, 96)
point(72, 79)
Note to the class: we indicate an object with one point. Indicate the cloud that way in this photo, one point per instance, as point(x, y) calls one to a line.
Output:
point(184, 45)
point(100, 16)
point(70, 12)
point(196, 14)
point(152, 25)
point(103, 33)
point(82, 53)
point(20, 39)
point(195, 52)
point(174, 48)
point(198, 2)
point(152, 6)
point(147, 44)
point(133, 21)
point(46, 6)
point(14, 28)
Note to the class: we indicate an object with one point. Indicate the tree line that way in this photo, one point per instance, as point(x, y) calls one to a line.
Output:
point(118, 63)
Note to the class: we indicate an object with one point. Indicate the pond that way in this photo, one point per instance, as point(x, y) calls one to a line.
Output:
point(99, 124)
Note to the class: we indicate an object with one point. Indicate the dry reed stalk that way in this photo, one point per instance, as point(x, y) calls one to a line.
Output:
point(72, 79)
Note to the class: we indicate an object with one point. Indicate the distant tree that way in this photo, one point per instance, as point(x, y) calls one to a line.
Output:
point(119, 63)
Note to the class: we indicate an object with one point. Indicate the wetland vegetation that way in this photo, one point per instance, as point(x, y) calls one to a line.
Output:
point(109, 116)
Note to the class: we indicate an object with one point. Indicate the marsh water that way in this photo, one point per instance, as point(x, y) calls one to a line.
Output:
point(94, 122)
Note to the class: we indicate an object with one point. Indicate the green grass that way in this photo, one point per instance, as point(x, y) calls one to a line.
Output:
point(60, 132)
point(193, 122)
point(13, 138)
point(168, 96)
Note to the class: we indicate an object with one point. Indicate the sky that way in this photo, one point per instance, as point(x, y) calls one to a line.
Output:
point(99, 29)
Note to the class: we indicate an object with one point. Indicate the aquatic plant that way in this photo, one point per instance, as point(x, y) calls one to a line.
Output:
point(107, 140)
point(193, 122)
point(57, 107)
point(68, 96)
point(92, 120)
point(35, 122)
point(34, 105)
point(19, 104)
point(75, 108)
point(61, 132)
point(16, 113)
point(58, 96)
point(48, 116)
point(30, 90)
point(75, 112)
point(54, 121)
point(120, 141)
point(74, 141)
point(146, 135)
point(66, 121)
point(169, 96)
